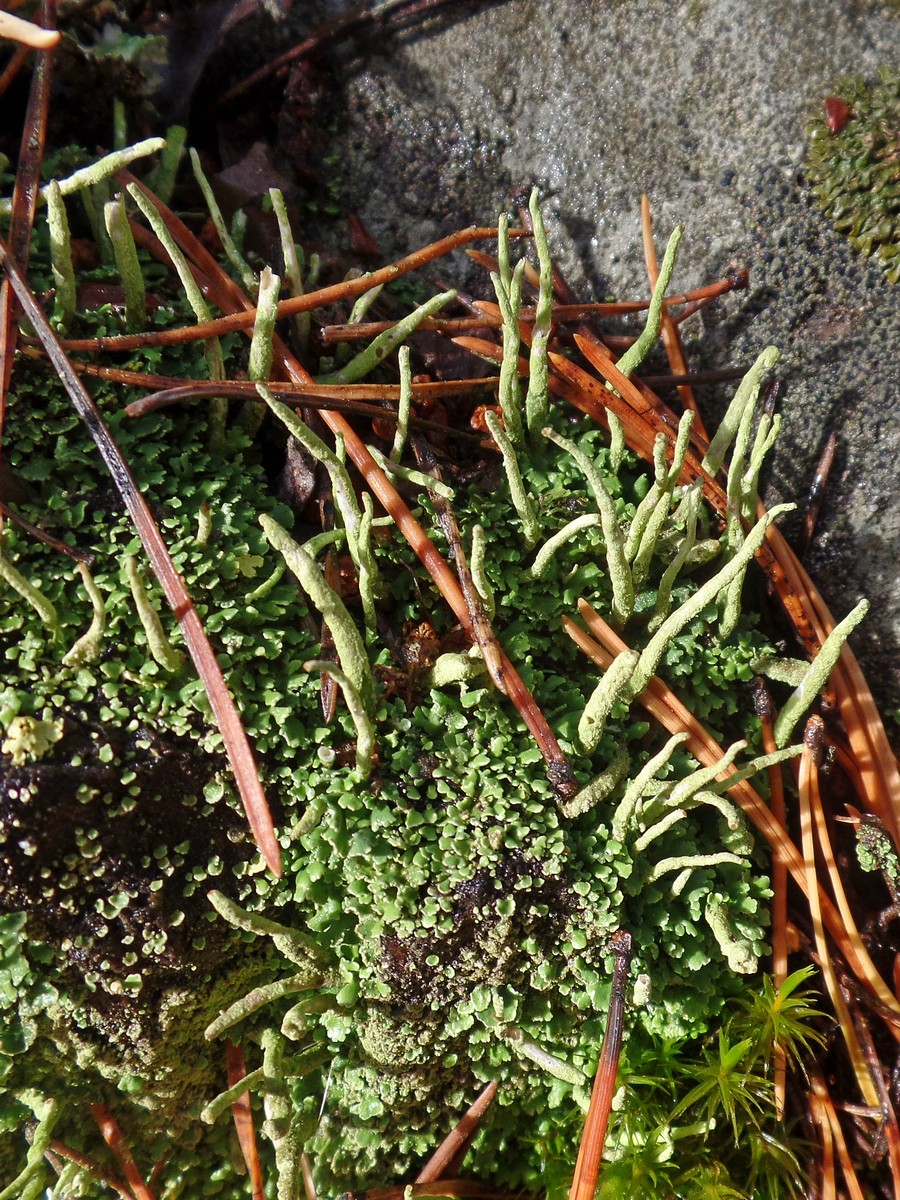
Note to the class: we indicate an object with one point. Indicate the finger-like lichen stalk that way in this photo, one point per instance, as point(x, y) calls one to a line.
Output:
point(521, 501)
point(404, 405)
point(247, 1083)
point(365, 733)
point(665, 479)
point(341, 485)
point(747, 392)
point(127, 262)
point(215, 361)
point(545, 555)
point(508, 288)
point(766, 436)
point(411, 475)
point(259, 362)
point(762, 763)
point(638, 786)
point(600, 786)
point(692, 862)
point(103, 168)
point(44, 608)
point(612, 687)
point(478, 568)
point(636, 353)
point(619, 573)
point(553, 1065)
point(656, 647)
point(30, 1183)
point(163, 179)
point(293, 272)
point(692, 500)
point(368, 569)
point(817, 675)
point(295, 945)
point(61, 255)
point(161, 649)
point(738, 950)
point(87, 647)
point(347, 640)
point(537, 396)
point(234, 256)
point(380, 347)
point(258, 997)
point(645, 550)
point(617, 447)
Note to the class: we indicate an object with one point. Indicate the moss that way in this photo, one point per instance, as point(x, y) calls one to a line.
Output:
point(451, 893)
point(855, 172)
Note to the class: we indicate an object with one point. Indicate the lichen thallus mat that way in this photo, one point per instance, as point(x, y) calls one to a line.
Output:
point(457, 845)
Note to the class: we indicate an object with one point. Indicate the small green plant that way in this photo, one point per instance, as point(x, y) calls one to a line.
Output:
point(854, 166)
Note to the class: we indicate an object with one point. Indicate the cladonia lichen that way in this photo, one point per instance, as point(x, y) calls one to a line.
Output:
point(436, 892)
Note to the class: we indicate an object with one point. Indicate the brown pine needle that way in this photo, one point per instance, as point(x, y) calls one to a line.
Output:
point(859, 960)
point(809, 770)
point(824, 1111)
point(92, 1167)
point(243, 1119)
point(765, 711)
point(112, 1135)
point(336, 293)
point(590, 1152)
point(24, 201)
point(448, 1156)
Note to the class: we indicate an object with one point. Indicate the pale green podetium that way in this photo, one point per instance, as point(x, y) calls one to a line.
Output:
point(161, 649)
point(347, 640)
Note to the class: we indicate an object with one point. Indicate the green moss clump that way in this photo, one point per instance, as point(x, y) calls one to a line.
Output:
point(855, 172)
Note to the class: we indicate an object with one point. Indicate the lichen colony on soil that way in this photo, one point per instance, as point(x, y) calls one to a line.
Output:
point(456, 907)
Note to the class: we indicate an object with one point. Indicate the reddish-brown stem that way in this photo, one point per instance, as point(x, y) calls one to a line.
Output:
point(334, 31)
point(12, 68)
point(243, 1119)
point(447, 1159)
point(89, 1164)
point(112, 1135)
point(590, 1152)
point(348, 290)
point(47, 538)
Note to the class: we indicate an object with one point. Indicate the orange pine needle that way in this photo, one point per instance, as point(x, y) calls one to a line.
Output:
point(764, 709)
point(812, 743)
point(590, 1152)
point(112, 1135)
point(452, 1150)
point(242, 1116)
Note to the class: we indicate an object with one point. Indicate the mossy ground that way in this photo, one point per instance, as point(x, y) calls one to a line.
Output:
point(855, 170)
point(454, 899)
